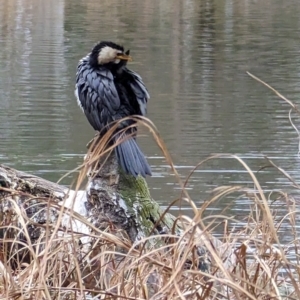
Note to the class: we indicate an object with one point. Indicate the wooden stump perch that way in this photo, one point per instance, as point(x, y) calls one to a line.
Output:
point(127, 205)
point(112, 199)
point(124, 202)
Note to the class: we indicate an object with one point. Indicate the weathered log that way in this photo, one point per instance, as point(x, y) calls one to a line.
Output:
point(111, 198)
point(115, 197)
point(29, 193)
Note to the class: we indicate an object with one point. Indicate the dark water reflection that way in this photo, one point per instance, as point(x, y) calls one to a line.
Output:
point(193, 56)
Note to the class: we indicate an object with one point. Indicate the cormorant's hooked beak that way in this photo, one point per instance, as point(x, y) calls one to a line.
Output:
point(125, 56)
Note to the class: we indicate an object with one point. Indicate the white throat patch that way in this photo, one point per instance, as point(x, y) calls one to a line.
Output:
point(107, 54)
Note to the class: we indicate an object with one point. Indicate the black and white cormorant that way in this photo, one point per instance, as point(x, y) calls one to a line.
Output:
point(108, 91)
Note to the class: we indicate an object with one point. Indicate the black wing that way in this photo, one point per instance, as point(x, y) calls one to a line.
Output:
point(138, 87)
point(96, 94)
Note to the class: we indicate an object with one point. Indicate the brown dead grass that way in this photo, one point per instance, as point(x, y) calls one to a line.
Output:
point(251, 264)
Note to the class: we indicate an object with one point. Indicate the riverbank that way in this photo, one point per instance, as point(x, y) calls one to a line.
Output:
point(50, 250)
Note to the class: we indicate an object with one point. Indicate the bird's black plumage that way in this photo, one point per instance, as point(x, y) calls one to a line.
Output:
point(108, 92)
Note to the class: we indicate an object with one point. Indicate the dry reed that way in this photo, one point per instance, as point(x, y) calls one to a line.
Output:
point(58, 268)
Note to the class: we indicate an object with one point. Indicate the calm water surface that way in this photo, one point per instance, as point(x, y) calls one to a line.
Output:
point(193, 56)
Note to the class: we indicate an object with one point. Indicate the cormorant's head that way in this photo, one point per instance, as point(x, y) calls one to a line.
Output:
point(109, 53)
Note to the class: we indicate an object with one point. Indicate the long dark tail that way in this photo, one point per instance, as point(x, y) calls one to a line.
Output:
point(132, 159)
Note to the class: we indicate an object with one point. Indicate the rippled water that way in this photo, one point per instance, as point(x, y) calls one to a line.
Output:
point(193, 56)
